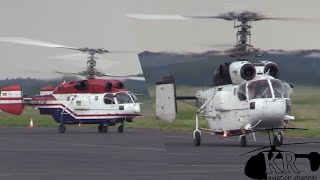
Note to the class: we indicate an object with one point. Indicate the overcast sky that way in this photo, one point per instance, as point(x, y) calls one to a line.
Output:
point(192, 35)
point(102, 23)
point(85, 23)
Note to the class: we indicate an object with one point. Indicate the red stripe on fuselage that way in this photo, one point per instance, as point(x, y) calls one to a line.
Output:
point(12, 88)
point(45, 97)
point(13, 98)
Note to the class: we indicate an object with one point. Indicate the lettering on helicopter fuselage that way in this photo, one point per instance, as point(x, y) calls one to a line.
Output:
point(38, 102)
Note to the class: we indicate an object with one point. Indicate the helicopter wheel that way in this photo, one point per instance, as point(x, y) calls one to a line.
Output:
point(100, 128)
point(104, 128)
point(62, 128)
point(243, 140)
point(120, 128)
point(278, 139)
point(196, 138)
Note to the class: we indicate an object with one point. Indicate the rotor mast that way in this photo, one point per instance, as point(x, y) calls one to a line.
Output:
point(91, 63)
point(243, 39)
point(91, 71)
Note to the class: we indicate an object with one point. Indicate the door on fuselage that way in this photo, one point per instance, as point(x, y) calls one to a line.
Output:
point(126, 101)
point(110, 102)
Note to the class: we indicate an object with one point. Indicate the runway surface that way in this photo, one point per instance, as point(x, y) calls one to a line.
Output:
point(82, 153)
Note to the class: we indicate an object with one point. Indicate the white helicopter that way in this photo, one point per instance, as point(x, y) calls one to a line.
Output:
point(246, 98)
point(105, 102)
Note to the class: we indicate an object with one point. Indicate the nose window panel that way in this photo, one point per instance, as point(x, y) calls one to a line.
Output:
point(134, 97)
point(123, 98)
point(259, 89)
point(279, 89)
point(242, 94)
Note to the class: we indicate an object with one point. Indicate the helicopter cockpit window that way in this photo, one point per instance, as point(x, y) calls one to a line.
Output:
point(134, 97)
point(123, 98)
point(259, 89)
point(279, 89)
point(242, 94)
point(108, 99)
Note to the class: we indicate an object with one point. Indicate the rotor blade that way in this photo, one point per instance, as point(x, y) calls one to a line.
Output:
point(257, 18)
point(125, 77)
point(220, 46)
point(75, 56)
point(123, 52)
point(229, 16)
point(271, 129)
point(313, 55)
point(289, 52)
point(83, 57)
point(27, 41)
point(156, 17)
point(68, 73)
point(173, 17)
point(304, 20)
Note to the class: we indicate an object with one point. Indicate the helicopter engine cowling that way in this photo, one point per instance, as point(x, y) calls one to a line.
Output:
point(241, 71)
point(81, 85)
point(109, 86)
point(119, 85)
point(271, 69)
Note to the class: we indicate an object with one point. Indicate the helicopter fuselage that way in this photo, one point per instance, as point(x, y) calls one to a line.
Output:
point(92, 101)
point(86, 108)
point(256, 103)
point(246, 98)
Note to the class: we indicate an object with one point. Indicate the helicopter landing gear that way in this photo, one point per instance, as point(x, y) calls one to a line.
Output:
point(62, 128)
point(120, 128)
point(278, 138)
point(197, 133)
point(103, 128)
point(243, 140)
point(196, 138)
point(100, 128)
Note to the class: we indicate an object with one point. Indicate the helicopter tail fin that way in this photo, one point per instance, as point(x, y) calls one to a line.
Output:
point(11, 100)
point(166, 105)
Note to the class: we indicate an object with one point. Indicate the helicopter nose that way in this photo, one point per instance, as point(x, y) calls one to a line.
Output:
point(275, 108)
point(137, 108)
point(268, 109)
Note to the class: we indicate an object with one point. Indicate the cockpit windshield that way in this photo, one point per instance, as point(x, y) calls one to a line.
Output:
point(279, 89)
point(259, 89)
point(262, 89)
point(242, 93)
point(134, 97)
point(123, 98)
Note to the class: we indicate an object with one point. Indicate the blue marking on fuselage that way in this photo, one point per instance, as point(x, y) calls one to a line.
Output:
point(68, 119)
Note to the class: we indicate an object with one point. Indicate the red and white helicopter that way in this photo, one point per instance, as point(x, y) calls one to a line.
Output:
point(90, 101)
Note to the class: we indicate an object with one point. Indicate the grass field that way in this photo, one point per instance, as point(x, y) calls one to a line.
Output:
point(305, 100)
